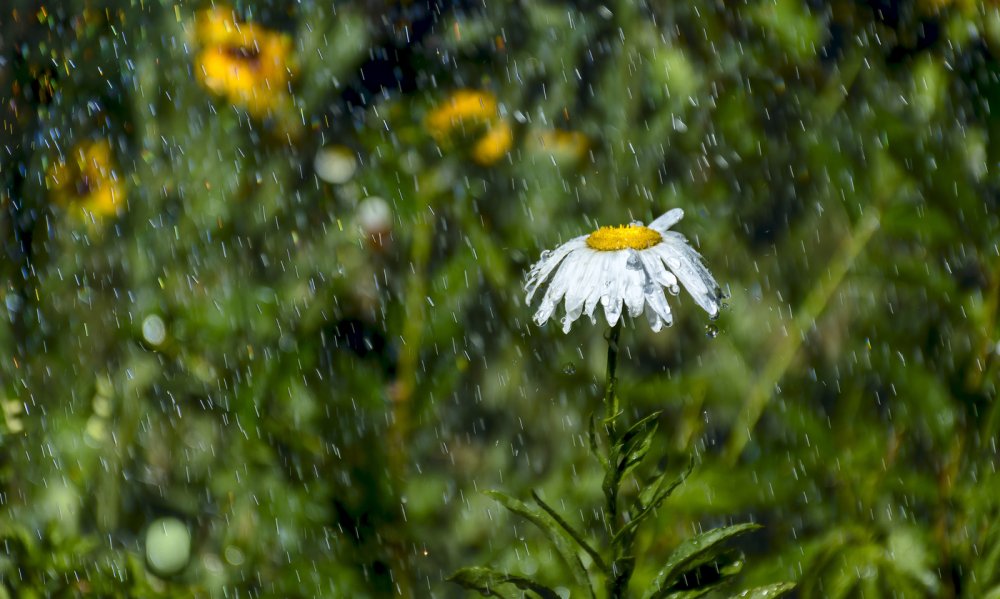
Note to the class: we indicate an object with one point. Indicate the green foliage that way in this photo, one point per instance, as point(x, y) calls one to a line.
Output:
point(560, 536)
point(692, 554)
point(331, 390)
point(489, 583)
point(698, 566)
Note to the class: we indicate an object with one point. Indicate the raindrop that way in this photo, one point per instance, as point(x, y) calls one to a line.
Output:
point(168, 545)
point(374, 216)
point(569, 368)
point(233, 555)
point(153, 330)
point(13, 302)
point(335, 164)
point(711, 331)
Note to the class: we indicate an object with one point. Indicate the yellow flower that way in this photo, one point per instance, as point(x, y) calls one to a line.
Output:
point(243, 62)
point(87, 179)
point(936, 7)
point(562, 145)
point(463, 105)
point(494, 145)
point(478, 109)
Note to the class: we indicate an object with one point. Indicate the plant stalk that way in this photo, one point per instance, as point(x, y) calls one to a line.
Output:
point(616, 585)
point(610, 395)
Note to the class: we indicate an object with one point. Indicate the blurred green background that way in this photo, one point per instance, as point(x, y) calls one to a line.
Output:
point(262, 331)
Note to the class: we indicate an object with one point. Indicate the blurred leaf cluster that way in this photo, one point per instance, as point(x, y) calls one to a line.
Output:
point(270, 340)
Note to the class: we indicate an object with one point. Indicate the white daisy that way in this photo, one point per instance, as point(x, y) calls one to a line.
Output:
point(628, 265)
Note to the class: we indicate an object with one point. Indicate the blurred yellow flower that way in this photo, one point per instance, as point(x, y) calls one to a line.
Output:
point(474, 107)
point(87, 179)
point(562, 145)
point(494, 145)
point(465, 104)
point(935, 7)
point(243, 62)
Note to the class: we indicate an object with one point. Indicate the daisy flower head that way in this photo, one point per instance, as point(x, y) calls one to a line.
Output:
point(628, 266)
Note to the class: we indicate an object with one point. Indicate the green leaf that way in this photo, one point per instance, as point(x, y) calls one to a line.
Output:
point(698, 592)
point(692, 553)
point(650, 498)
point(633, 446)
point(622, 571)
point(654, 493)
point(594, 445)
point(771, 591)
point(562, 542)
point(488, 581)
point(576, 536)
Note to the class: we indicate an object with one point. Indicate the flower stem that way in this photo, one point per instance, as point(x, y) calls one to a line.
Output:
point(610, 396)
point(616, 583)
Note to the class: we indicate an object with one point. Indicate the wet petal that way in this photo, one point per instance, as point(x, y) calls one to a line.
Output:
point(687, 264)
point(656, 303)
point(667, 220)
point(615, 292)
point(636, 278)
point(654, 266)
point(541, 270)
point(603, 266)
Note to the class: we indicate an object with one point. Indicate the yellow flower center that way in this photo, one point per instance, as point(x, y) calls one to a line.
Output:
point(636, 237)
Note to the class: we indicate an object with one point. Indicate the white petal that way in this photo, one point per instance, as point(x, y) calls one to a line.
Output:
point(636, 282)
point(667, 220)
point(617, 281)
point(654, 266)
point(586, 277)
point(656, 304)
point(541, 270)
point(601, 268)
point(687, 264)
point(562, 282)
point(570, 318)
point(655, 322)
point(544, 313)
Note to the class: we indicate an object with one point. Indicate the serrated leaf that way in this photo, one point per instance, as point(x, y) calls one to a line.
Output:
point(692, 553)
point(771, 591)
point(564, 545)
point(488, 582)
